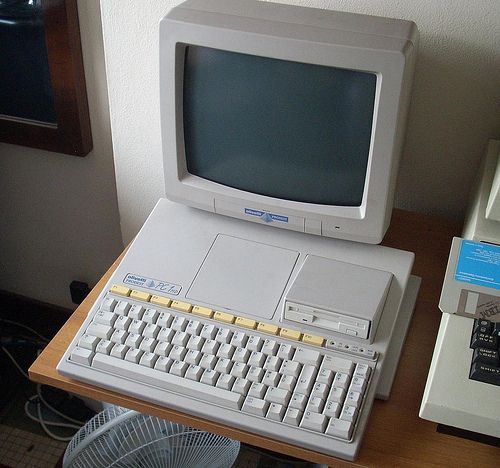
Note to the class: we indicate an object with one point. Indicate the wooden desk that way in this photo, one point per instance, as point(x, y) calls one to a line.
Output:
point(395, 436)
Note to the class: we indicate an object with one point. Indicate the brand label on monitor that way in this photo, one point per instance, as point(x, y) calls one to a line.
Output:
point(153, 284)
point(266, 216)
point(479, 264)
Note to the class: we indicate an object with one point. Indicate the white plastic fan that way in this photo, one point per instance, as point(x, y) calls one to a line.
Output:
point(118, 437)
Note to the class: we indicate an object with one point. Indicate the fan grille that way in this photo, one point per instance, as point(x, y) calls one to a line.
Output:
point(118, 438)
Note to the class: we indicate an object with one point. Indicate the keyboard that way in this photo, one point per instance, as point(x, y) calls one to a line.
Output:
point(485, 341)
point(299, 388)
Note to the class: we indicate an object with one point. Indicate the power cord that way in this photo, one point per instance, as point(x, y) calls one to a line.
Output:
point(41, 404)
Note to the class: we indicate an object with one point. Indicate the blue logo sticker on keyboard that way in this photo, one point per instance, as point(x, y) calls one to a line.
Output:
point(154, 284)
point(479, 264)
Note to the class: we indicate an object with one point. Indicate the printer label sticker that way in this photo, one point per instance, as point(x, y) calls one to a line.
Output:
point(479, 264)
point(153, 284)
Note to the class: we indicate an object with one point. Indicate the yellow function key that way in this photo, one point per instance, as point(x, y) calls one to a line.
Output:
point(224, 317)
point(313, 339)
point(247, 323)
point(267, 328)
point(290, 334)
point(160, 300)
point(202, 311)
point(121, 290)
point(182, 306)
point(140, 295)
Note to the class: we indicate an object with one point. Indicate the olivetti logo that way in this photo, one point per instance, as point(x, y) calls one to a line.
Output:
point(265, 216)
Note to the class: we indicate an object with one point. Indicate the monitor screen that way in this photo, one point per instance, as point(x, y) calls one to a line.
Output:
point(283, 129)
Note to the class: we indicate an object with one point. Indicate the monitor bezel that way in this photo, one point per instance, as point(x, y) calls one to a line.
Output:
point(352, 50)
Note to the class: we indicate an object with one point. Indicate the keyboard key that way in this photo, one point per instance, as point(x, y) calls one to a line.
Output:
point(286, 351)
point(194, 327)
point(160, 300)
point(485, 373)
point(148, 345)
point(239, 339)
point(140, 295)
point(122, 308)
point(332, 409)
point(151, 330)
point(108, 304)
point(241, 386)
point(482, 340)
point(163, 348)
point(239, 369)
point(257, 390)
point(246, 323)
point(102, 331)
point(177, 353)
point(88, 342)
point(290, 334)
point(210, 347)
point(255, 374)
point(293, 416)
point(298, 401)
point(287, 382)
point(271, 379)
point(270, 347)
point(315, 405)
point(202, 311)
point(164, 363)
point(314, 421)
point(133, 355)
point(224, 335)
point(339, 428)
point(255, 406)
point(208, 361)
point(133, 340)
point(120, 290)
point(292, 368)
point(483, 326)
point(275, 412)
point(486, 356)
point(209, 331)
point(267, 328)
point(136, 326)
point(164, 320)
point(136, 312)
point(341, 381)
point(337, 364)
point(241, 355)
point(255, 343)
point(225, 382)
point(223, 317)
point(106, 318)
point(277, 395)
point(306, 379)
point(119, 351)
point(178, 368)
point(122, 322)
point(82, 356)
point(210, 377)
point(195, 342)
point(349, 413)
point(148, 359)
point(181, 306)
point(165, 334)
point(194, 372)
point(119, 336)
point(307, 356)
point(179, 323)
point(150, 316)
point(313, 339)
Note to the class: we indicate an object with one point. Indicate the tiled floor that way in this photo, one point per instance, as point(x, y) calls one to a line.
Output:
point(21, 449)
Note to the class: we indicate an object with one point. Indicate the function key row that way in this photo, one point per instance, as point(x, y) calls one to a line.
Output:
point(110, 304)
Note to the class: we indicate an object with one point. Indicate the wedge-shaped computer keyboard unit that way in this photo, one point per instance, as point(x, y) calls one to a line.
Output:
point(279, 382)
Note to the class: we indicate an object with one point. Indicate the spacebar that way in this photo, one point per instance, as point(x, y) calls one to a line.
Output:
point(168, 382)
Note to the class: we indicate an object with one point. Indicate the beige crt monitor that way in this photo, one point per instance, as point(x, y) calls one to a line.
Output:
point(282, 116)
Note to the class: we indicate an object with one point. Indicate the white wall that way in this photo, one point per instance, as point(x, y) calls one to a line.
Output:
point(454, 112)
point(59, 213)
